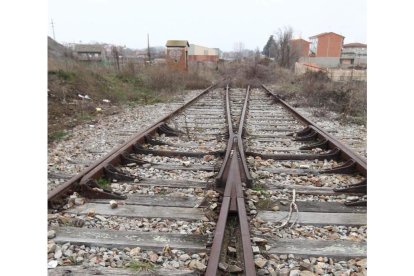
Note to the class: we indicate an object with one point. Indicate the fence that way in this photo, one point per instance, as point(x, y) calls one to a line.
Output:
point(336, 74)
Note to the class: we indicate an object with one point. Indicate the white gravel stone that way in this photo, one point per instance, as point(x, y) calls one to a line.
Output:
point(113, 204)
point(51, 247)
point(175, 264)
point(58, 253)
point(135, 251)
point(184, 257)
point(259, 262)
point(52, 264)
point(79, 201)
point(51, 234)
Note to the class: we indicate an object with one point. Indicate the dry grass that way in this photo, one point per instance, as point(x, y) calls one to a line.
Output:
point(349, 99)
point(247, 72)
point(265, 204)
point(132, 84)
point(143, 265)
point(315, 89)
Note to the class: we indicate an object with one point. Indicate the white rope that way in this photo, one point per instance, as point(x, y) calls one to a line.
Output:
point(292, 207)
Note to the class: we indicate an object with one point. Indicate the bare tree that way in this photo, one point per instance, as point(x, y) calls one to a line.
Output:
point(284, 55)
point(257, 55)
point(238, 50)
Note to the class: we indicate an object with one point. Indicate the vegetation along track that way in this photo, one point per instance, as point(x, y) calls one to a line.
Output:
point(234, 182)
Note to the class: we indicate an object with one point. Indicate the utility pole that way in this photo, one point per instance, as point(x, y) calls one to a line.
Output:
point(149, 53)
point(53, 28)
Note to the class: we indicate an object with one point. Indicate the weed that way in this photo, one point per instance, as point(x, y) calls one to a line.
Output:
point(320, 112)
point(84, 116)
point(103, 182)
point(148, 98)
point(141, 265)
point(259, 187)
point(64, 75)
point(57, 135)
point(203, 229)
point(359, 120)
point(72, 259)
point(264, 204)
point(131, 104)
point(232, 222)
point(162, 192)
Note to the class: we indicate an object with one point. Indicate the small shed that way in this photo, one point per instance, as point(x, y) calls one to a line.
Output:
point(177, 54)
point(89, 52)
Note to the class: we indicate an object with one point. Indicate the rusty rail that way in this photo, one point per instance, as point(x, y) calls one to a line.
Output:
point(231, 175)
point(359, 163)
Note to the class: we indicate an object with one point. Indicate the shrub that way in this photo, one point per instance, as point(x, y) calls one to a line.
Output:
point(348, 99)
point(163, 79)
point(247, 72)
point(63, 75)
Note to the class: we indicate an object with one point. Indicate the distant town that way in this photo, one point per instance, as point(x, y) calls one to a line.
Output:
point(322, 52)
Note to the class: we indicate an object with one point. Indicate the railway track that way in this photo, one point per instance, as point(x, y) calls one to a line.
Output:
point(209, 189)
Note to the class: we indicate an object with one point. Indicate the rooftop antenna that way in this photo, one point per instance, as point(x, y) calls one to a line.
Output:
point(53, 28)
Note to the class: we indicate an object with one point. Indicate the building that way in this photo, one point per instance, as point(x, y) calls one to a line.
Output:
point(326, 45)
point(219, 53)
point(299, 47)
point(203, 54)
point(325, 50)
point(89, 52)
point(354, 54)
point(177, 54)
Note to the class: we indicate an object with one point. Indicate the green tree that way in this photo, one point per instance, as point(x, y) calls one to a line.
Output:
point(270, 47)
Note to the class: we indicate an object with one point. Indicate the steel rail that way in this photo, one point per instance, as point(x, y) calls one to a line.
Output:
point(223, 172)
point(115, 154)
point(247, 177)
point(243, 220)
point(231, 173)
point(345, 152)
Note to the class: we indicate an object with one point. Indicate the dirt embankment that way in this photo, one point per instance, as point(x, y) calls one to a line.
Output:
point(80, 92)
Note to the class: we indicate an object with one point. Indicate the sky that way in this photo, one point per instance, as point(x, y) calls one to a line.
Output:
point(215, 24)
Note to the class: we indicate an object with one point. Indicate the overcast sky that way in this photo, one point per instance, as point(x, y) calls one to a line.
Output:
point(213, 23)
